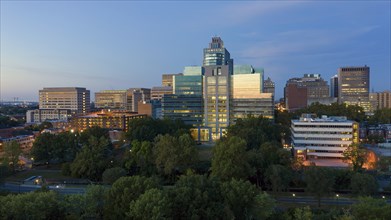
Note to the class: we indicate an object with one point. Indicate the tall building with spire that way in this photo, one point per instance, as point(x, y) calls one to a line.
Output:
point(218, 68)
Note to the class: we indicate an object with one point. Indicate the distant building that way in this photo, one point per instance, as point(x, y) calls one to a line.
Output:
point(325, 137)
point(334, 86)
point(268, 86)
point(167, 79)
point(157, 92)
point(380, 100)
point(135, 95)
point(113, 120)
point(72, 98)
point(353, 86)
point(25, 142)
point(111, 99)
point(41, 115)
point(298, 92)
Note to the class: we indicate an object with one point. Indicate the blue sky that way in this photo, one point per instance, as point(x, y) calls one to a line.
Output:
point(117, 45)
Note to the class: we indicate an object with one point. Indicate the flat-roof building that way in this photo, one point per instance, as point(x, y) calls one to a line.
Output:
point(325, 137)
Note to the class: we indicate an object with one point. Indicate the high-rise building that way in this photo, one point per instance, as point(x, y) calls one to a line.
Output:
point(334, 86)
point(60, 103)
point(247, 96)
point(353, 86)
point(186, 103)
point(213, 96)
point(73, 98)
point(380, 100)
point(313, 85)
point(111, 99)
point(218, 68)
point(268, 86)
point(325, 137)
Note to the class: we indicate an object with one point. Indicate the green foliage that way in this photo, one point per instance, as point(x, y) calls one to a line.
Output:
point(124, 191)
point(244, 201)
point(92, 160)
point(146, 129)
point(381, 116)
point(370, 208)
point(11, 154)
point(152, 205)
point(279, 177)
point(140, 158)
point(196, 197)
point(112, 174)
point(53, 148)
point(373, 138)
point(174, 154)
point(230, 159)
point(304, 213)
point(319, 181)
point(73, 206)
point(352, 112)
point(42, 205)
point(7, 122)
point(95, 201)
point(356, 155)
point(94, 131)
point(255, 131)
point(363, 184)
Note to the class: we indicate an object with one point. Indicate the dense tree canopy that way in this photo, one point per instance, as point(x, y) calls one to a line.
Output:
point(363, 184)
point(146, 129)
point(230, 159)
point(255, 131)
point(124, 191)
point(139, 158)
point(174, 154)
point(92, 160)
point(356, 156)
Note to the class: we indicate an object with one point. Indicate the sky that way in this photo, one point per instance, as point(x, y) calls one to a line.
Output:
point(104, 45)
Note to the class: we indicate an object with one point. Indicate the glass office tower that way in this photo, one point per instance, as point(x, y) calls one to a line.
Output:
point(186, 103)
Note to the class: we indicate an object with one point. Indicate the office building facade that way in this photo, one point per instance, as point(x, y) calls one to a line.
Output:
point(325, 137)
point(111, 99)
point(380, 100)
point(73, 98)
point(353, 86)
point(157, 92)
point(269, 86)
point(299, 92)
point(334, 86)
point(167, 79)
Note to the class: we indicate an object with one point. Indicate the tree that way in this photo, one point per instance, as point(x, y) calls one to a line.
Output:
point(112, 174)
point(140, 158)
point(381, 116)
point(255, 131)
point(94, 131)
point(279, 177)
point(241, 199)
point(92, 160)
point(370, 208)
point(319, 181)
point(384, 164)
point(153, 204)
point(356, 156)
point(230, 159)
point(363, 184)
point(174, 154)
point(124, 191)
point(95, 201)
point(196, 197)
point(12, 152)
point(32, 205)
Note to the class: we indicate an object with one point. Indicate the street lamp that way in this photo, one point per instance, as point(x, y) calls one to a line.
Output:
point(383, 197)
point(293, 195)
point(337, 199)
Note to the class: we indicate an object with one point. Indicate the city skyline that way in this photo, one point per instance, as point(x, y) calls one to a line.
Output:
point(118, 45)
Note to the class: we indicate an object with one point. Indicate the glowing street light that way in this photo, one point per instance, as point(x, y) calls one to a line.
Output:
point(293, 195)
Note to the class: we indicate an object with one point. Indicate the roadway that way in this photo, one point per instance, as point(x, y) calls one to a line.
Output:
point(21, 188)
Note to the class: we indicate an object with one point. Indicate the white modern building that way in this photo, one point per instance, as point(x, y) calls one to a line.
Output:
point(325, 137)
